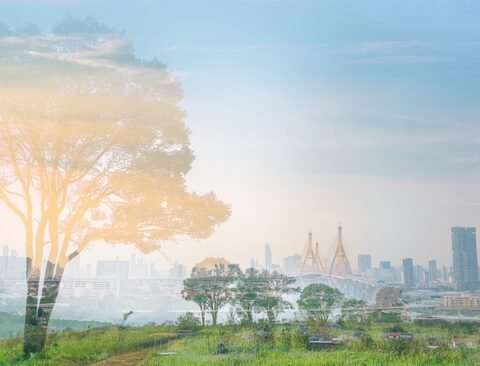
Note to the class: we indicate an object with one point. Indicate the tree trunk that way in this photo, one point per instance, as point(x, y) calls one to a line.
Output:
point(34, 334)
point(214, 317)
point(249, 316)
point(202, 315)
point(271, 315)
point(39, 306)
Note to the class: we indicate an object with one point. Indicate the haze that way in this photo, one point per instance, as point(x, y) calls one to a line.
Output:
point(308, 113)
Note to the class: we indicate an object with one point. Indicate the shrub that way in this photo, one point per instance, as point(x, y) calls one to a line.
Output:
point(188, 321)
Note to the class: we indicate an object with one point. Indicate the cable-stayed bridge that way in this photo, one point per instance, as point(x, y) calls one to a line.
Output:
point(337, 273)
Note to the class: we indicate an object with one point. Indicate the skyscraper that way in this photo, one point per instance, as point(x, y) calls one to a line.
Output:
point(432, 270)
point(364, 262)
point(268, 257)
point(465, 265)
point(408, 273)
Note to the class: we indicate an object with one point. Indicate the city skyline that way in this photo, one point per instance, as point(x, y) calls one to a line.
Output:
point(398, 174)
point(363, 262)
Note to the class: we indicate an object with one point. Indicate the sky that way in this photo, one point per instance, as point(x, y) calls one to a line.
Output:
point(309, 113)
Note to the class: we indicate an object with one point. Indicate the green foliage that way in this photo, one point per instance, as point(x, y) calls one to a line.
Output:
point(211, 288)
point(83, 347)
point(247, 290)
point(264, 344)
point(286, 347)
point(318, 300)
point(354, 311)
point(272, 287)
point(188, 321)
point(380, 316)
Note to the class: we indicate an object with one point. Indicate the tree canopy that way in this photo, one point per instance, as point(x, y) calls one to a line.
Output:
point(318, 300)
point(211, 288)
point(93, 148)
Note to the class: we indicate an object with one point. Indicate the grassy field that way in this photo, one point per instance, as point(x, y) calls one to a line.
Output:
point(287, 347)
point(84, 347)
point(331, 358)
point(258, 345)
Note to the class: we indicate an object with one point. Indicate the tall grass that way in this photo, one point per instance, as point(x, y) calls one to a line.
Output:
point(287, 347)
point(83, 347)
point(254, 345)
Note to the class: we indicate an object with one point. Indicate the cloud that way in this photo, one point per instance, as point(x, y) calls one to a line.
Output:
point(407, 52)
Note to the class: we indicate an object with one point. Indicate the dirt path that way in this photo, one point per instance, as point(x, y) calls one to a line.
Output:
point(126, 359)
point(135, 357)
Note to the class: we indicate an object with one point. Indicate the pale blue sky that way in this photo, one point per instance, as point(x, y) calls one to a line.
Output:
point(305, 113)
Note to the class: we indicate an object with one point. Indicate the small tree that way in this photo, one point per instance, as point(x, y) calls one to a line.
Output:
point(317, 302)
point(272, 288)
point(247, 291)
point(193, 290)
point(211, 288)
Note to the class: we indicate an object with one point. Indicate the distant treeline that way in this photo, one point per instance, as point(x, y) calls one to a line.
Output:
point(11, 325)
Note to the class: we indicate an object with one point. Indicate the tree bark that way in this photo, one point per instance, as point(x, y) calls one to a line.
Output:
point(33, 333)
point(39, 306)
point(214, 317)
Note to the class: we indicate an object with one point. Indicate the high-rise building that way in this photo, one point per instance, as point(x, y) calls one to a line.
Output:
point(432, 270)
point(408, 280)
point(364, 262)
point(268, 257)
point(465, 265)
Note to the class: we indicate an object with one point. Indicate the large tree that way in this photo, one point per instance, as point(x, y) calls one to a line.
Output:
point(93, 149)
point(211, 288)
point(317, 302)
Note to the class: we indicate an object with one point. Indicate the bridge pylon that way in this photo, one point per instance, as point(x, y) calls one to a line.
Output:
point(312, 262)
point(340, 264)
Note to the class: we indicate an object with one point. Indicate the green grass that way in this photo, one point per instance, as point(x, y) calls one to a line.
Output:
point(285, 345)
point(83, 347)
point(315, 358)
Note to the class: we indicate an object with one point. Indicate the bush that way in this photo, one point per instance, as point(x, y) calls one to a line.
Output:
point(188, 321)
